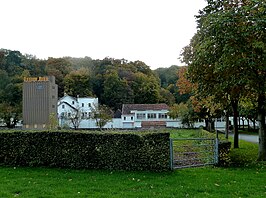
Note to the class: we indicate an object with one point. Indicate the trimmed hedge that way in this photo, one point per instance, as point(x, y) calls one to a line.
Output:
point(223, 150)
point(90, 150)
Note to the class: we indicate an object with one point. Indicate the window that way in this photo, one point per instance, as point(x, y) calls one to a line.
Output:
point(53, 97)
point(73, 102)
point(89, 104)
point(53, 106)
point(82, 104)
point(131, 118)
point(151, 115)
point(141, 116)
point(63, 106)
point(89, 114)
point(125, 118)
point(162, 115)
point(69, 115)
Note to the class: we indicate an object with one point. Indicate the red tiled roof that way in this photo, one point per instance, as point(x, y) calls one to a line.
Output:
point(127, 108)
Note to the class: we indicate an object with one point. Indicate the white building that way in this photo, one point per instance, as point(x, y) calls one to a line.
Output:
point(133, 116)
point(69, 106)
point(144, 115)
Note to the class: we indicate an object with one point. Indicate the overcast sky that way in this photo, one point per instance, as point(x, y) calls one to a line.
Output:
point(153, 31)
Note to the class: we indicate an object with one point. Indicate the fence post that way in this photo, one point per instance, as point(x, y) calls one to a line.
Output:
point(171, 154)
point(216, 157)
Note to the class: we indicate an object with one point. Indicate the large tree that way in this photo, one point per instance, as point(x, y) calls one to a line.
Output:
point(10, 99)
point(227, 55)
point(58, 67)
point(116, 91)
point(78, 83)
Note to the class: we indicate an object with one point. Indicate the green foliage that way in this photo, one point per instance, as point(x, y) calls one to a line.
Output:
point(224, 154)
point(184, 112)
point(53, 121)
point(102, 114)
point(95, 150)
point(245, 180)
point(226, 60)
point(244, 156)
point(146, 89)
point(113, 81)
point(168, 78)
point(116, 91)
point(59, 68)
point(78, 83)
point(167, 75)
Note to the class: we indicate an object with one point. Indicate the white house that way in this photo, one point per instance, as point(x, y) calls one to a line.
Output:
point(68, 106)
point(133, 116)
point(144, 115)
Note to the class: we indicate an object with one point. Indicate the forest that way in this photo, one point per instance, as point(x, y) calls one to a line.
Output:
point(113, 81)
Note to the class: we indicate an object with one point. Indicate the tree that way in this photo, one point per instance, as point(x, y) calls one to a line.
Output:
point(146, 89)
point(227, 60)
point(184, 112)
point(53, 121)
point(35, 66)
point(79, 63)
point(10, 114)
point(59, 68)
point(116, 91)
point(205, 107)
point(166, 97)
point(167, 75)
point(10, 99)
point(74, 116)
point(10, 61)
point(102, 114)
point(78, 83)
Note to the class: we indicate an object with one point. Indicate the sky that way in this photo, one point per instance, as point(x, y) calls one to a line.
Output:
point(152, 31)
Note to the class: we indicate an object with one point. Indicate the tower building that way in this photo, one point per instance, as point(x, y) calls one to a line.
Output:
point(40, 95)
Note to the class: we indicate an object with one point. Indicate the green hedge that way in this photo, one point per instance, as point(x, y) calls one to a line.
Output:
point(223, 150)
point(92, 150)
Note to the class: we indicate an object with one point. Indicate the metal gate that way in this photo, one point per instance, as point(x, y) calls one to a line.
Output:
point(193, 152)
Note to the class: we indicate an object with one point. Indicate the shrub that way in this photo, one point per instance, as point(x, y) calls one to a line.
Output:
point(92, 150)
point(223, 150)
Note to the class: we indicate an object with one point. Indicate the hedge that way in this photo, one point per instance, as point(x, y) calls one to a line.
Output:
point(90, 150)
point(223, 150)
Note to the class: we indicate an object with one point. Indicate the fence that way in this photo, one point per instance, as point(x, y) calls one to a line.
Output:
point(193, 152)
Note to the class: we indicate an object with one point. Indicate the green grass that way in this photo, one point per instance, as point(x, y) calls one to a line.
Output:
point(247, 179)
point(194, 182)
point(190, 133)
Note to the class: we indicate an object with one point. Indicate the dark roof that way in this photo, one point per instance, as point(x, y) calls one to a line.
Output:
point(117, 114)
point(127, 108)
point(66, 104)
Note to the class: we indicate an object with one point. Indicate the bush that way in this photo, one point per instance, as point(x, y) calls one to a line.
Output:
point(92, 150)
point(223, 150)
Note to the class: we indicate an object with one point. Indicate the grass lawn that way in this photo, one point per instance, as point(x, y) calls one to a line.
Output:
point(244, 178)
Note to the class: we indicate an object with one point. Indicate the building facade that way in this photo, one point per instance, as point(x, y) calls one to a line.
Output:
point(70, 107)
point(40, 95)
point(145, 115)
